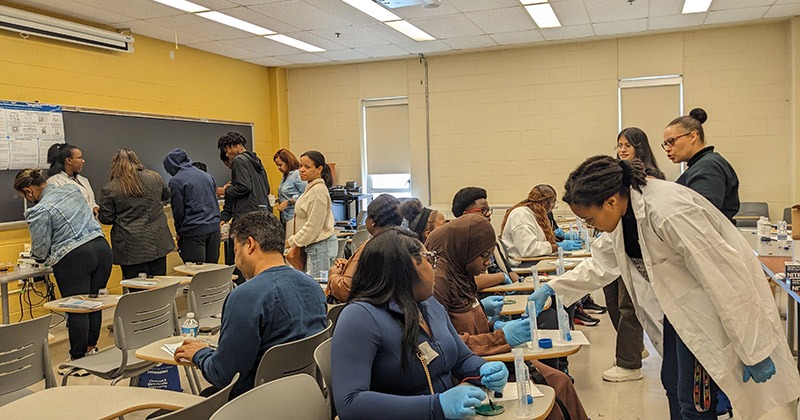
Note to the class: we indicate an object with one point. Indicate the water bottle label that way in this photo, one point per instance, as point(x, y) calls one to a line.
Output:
point(189, 331)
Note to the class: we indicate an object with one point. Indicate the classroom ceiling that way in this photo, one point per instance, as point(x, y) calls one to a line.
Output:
point(348, 35)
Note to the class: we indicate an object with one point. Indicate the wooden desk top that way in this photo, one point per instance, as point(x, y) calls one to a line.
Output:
point(19, 274)
point(183, 269)
point(344, 234)
point(154, 353)
point(541, 406)
point(78, 402)
point(558, 350)
point(161, 281)
point(520, 303)
point(526, 285)
point(549, 266)
point(109, 301)
point(572, 254)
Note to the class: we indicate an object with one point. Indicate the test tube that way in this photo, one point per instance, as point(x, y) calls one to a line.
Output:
point(534, 343)
point(535, 275)
point(563, 320)
point(587, 239)
point(560, 266)
point(524, 408)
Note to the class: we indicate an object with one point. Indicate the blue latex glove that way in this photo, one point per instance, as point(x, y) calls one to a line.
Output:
point(570, 245)
point(540, 296)
point(760, 372)
point(517, 332)
point(458, 401)
point(559, 233)
point(506, 279)
point(494, 375)
point(492, 305)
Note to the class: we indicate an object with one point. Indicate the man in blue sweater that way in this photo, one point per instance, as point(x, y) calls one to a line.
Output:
point(276, 305)
point(194, 208)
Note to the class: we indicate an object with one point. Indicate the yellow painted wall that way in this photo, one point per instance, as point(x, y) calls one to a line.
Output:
point(194, 84)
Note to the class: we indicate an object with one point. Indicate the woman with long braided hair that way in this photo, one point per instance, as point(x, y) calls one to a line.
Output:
point(698, 287)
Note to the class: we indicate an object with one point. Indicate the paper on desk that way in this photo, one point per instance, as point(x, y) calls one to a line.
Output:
point(510, 393)
point(170, 348)
point(142, 283)
point(80, 303)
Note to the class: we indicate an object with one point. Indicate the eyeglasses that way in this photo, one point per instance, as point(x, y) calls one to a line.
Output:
point(623, 146)
point(668, 143)
point(589, 221)
point(432, 256)
point(485, 211)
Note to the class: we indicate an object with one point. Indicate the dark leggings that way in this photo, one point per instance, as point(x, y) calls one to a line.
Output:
point(156, 267)
point(84, 270)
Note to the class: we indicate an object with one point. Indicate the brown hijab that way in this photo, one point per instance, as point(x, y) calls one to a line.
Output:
point(538, 201)
point(458, 243)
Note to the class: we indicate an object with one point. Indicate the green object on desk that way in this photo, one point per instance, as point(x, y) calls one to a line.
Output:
point(487, 410)
point(509, 301)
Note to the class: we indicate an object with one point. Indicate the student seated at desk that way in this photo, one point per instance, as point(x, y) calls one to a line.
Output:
point(464, 247)
point(381, 215)
point(276, 305)
point(395, 354)
point(421, 220)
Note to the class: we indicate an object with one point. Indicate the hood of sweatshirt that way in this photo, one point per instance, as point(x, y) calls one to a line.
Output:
point(251, 156)
point(175, 160)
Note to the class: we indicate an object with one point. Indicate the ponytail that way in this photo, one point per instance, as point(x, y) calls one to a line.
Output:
point(27, 177)
point(319, 161)
point(600, 177)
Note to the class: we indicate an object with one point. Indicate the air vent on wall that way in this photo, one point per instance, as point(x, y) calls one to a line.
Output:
point(27, 23)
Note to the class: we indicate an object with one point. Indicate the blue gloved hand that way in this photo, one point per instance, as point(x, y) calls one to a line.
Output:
point(498, 325)
point(570, 245)
point(458, 401)
point(494, 375)
point(760, 372)
point(492, 305)
point(573, 234)
point(517, 332)
point(559, 233)
point(540, 296)
point(506, 279)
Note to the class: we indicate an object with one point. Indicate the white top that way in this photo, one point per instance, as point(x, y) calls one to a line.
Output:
point(313, 217)
point(61, 179)
point(523, 237)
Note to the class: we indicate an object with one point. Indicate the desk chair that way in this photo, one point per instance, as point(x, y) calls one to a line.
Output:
point(24, 358)
point(787, 216)
point(139, 319)
point(342, 243)
point(292, 397)
point(204, 409)
point(333, 314)
point(206, 295)
point(502, 260)
point(359, 238)
point(291, 358)
point(752, 210)
point(322, 355)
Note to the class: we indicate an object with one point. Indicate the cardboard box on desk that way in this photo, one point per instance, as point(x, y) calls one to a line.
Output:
point(793, 275)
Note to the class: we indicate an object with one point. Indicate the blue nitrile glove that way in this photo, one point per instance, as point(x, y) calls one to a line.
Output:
point(458, 401)
point(492, 305)
point(559, 233)
point(506, 279)
point(760, 372)
point(517, 332)
point(574, 235)
point(494, 375)
point(570, 245)
point(540, 296)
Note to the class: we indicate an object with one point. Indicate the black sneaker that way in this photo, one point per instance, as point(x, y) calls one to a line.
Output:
point(594, 308)
point(586, 318)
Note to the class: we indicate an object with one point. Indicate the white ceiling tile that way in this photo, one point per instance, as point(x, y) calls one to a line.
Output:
point(195, 25)
point(623, 27)
point(76, 10)
point(299, 14)
point(251, 2)
point(343, 55)
point(143, 27)
point(307, 58)
point(615, 10)
point(569, 32)
point(385, 51)
point(385, 32)
point(426, 47)
point(665, 8)
point(341, 10)
point(259, 19)
point(449, 26)
point(783, 10)
point(677, 21)
point(262, 46)
point(475, 5)
point(269, 62)
point(465, 43)
point(787, 1)
point(216, 4)
point(522, 37)
point(738, 4)
point(328, 42)
point(570, 12)
point(139, 9)
point(735, 15)
point(352, 37)
point(220, 48)
point(509, 19)
point(418, 11)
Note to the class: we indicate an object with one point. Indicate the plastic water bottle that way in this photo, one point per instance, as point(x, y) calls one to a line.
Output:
point(783, 235)
point(764, 227)
point(190, 327)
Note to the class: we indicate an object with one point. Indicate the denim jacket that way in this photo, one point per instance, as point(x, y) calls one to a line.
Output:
point(60, 222)
point(291, 188)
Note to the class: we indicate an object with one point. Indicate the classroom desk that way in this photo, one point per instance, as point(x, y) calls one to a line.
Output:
point(161, 281)
point(572, 254)
point(154, 353)
point(79, 402)
point(526, 285)
point(541, 406)
point(15, 275)
point(519, 305)
point(109, 301)
point(183, 269)
point(549, 266)
point(528, 353)
point(345, 233)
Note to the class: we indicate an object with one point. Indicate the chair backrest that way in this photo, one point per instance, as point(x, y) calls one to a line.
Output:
point(751, 208)
point(501, 256)
point(359, 238)
point(333, 314)
point(24, 355)
point(292, 397)
point(204, 409)
point(322, 355)
point(361, 220)
point(290, 358)
point(787, 216)
point(342, 242)
point(144, 317)
point(208, 290)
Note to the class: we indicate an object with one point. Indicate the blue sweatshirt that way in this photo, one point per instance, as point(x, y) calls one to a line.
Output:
point(193, 196)
point(277, 306)
point(368, 382)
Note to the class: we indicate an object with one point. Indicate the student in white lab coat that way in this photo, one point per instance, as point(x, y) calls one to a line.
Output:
point(698, 288)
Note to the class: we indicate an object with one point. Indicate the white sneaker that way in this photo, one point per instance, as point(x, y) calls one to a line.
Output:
point(620, 374)
point(645, 353)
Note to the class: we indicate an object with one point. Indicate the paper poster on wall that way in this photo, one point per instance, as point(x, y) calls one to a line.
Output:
point(27, 130)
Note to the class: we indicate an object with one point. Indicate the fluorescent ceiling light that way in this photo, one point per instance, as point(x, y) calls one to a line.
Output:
point(527, 2)
point(543, 15)
point(373, 9)
point(235, 23)
point(695, 6)
point(410, 30)
point(296, 43)
point(184, 5)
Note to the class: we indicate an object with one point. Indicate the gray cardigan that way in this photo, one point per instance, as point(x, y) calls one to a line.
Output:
point(139, 230)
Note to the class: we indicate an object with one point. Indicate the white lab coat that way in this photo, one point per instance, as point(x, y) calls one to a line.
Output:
point(707, 280)
point(523, 237)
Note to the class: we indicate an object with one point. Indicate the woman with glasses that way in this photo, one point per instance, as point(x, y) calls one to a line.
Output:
point(395, 354)
point(381, 215)
point(698, 287)
point(707, 171)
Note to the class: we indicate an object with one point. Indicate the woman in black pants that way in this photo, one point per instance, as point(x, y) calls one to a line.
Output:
point(65, 235)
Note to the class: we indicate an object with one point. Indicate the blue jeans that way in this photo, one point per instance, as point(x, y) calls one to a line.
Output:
point(678, 378)
point(320, 255)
